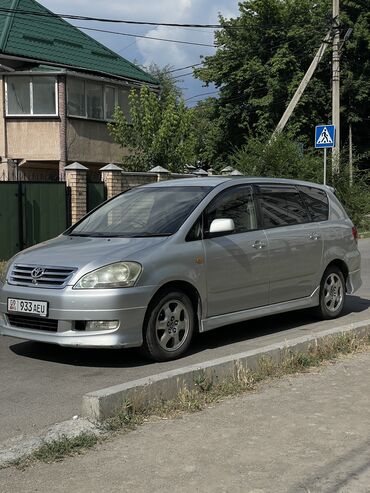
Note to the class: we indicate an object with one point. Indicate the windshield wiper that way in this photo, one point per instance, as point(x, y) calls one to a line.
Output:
point(93, 235)
point(147, 235)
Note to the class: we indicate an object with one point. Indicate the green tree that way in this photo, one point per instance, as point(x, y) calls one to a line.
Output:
point(262, 56)
point(207, 134)
point(158, 133)
point(168, 85)
point(284, 158)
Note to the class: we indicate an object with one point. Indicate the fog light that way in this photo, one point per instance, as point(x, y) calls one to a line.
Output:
point(102, 325)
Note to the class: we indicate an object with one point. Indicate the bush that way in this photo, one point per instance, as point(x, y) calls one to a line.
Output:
point(279, 157)
point(282, 157)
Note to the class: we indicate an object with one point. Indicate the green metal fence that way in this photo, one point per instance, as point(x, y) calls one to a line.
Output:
point(96, 194)
point(30, 213)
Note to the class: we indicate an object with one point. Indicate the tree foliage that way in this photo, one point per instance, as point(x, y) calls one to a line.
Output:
point(284, 158)
point(158, 133)
point(262, 56)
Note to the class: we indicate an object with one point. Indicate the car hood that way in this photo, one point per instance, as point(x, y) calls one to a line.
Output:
point(87, 253)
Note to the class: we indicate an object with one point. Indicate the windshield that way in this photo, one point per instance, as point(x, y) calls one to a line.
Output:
point(139, 212)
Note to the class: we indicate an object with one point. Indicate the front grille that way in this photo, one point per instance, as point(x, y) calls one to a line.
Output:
point(50, 277)
point(34, 323)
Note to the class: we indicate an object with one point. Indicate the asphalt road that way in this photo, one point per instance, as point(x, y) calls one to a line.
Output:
point(43, 384)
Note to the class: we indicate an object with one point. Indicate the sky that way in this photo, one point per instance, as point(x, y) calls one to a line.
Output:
point(146, 51)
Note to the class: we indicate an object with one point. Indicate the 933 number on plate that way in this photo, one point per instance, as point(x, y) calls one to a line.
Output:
point(31, 307)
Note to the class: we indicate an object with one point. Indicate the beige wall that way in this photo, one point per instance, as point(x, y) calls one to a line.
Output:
point(89, 142)
point(33, 140)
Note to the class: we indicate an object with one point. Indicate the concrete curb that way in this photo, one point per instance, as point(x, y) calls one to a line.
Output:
point(105, 403)
point(23, 446)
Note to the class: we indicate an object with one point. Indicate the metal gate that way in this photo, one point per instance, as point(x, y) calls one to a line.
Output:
point(96, 194)
point(30, 212)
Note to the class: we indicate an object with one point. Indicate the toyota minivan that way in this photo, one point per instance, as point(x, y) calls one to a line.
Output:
point(153, 265)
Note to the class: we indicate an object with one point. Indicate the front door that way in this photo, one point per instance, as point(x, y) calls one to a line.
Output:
point(237, 263)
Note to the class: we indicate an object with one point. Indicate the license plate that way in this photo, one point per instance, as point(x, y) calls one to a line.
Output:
point(31, 307)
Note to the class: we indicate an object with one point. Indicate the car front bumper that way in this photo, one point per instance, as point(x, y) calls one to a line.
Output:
point(68, 306)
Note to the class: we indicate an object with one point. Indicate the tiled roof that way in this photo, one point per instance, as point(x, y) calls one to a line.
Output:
point(52, 39)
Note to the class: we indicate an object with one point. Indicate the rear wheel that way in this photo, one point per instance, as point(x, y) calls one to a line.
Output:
point(169, 326)
point(332, 293)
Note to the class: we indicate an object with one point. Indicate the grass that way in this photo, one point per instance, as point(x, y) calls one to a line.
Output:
point(208, 392)
point(57, 450)
point(205, 393)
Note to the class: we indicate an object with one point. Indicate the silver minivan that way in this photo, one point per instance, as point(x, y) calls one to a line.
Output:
point(157, 263)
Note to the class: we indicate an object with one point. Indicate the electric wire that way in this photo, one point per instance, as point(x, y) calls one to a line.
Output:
point(145, 37)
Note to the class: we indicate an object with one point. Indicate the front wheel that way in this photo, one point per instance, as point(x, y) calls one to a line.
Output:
point(169, 326)
point(332, 293)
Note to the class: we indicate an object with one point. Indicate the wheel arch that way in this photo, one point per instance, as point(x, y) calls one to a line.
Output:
point(184, 286)
point(342, 266)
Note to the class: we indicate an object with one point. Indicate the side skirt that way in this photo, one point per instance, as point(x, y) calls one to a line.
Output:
point(235, 317)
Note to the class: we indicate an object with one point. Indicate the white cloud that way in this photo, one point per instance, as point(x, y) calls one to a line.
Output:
point(146, 51)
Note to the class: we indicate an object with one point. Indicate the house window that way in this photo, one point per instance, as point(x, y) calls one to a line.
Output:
point(94, 100)
point(97, 101)
point(31, 96)
point(110, 101)
point(76, 97)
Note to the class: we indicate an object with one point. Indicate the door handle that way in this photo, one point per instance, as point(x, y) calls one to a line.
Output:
point(259, 245)
point(314, 236)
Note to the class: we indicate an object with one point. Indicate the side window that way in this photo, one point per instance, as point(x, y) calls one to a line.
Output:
point(195, 232)
point(282, 206)
point(234, 203)
point(317, 203)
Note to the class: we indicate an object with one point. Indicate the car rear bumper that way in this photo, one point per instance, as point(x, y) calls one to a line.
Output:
point(354, 281)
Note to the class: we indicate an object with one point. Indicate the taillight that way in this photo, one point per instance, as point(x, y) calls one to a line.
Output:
point(355, 233)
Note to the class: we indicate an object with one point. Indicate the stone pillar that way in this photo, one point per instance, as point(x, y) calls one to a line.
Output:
point(62, 126)
point(76, 179)
point(162, 173)
point(111, 175)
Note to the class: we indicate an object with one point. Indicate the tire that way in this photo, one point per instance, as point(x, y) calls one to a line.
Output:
point(332, 293)
point(169, 326)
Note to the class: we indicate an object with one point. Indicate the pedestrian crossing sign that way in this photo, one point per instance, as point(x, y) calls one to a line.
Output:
point(325, 136)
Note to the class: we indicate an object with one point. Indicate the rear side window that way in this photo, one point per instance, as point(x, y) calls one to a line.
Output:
point(282, 206)
point(317, 203)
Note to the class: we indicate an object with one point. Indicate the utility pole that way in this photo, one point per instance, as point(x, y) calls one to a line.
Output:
point(336, 86)
point(302, 86)
point(350, 155)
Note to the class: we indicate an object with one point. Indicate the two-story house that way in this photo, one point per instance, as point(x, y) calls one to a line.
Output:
point(58, 90)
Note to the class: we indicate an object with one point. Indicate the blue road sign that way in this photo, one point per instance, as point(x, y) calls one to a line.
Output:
point(325, 136)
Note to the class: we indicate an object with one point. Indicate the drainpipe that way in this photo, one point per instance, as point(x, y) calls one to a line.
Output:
point(63, 126)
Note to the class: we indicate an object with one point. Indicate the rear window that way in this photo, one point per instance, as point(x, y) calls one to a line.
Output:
point(317, 203)
point(282, 206)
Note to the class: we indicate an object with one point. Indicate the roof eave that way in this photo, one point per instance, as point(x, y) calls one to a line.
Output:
point(77, 69)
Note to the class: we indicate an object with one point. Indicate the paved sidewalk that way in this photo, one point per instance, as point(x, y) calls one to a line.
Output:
point(305, 433)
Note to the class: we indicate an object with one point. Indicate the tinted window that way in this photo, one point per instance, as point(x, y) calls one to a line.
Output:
point(236, 204)
point(282, 206)
point(143, 212)
point(317, 203)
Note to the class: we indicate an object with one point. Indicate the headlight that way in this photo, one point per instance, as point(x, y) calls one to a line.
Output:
point(4, 271)
point(118, 275)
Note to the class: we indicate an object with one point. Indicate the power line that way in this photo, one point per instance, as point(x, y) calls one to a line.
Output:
point(182, 75)
point(145, 37)
point(202, 94)
point(47, 13)
point(102, 19)
point(183, 68)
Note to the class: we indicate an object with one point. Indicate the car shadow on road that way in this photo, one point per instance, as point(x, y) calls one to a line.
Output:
point(218, 338)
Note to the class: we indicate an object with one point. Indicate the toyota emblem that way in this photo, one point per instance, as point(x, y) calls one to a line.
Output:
point(37, 273)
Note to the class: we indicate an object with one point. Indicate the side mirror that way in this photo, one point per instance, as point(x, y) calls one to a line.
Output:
point(221, 226)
